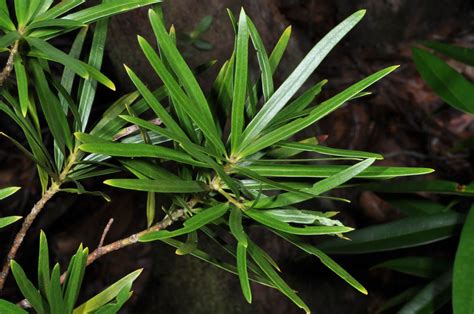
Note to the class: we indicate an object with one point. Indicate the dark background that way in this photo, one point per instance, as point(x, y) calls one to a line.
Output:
point(403, 120)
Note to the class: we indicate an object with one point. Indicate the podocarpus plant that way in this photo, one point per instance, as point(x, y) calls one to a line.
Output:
point(225, 163)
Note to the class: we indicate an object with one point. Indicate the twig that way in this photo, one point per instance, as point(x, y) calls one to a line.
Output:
point(104, 233)
point(132, 239)
point(24, 228)
point(7, 70)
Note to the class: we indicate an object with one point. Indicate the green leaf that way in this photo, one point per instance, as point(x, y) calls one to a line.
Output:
point(323, 171)
point(463, 273)
point(189, 246)
point(217, 263)
point(96, 56)
point(150, 208)
point(431, 186)
point(432, 297)
point(43, 265)
point(298, 216)
point(27, 288)
point(268, 220)
point(139, 150)
point(318, 188)
point(54, 23)
point(263, 61)
point(267, 268)
point(416, 206)
point(108, 9)
point(419, 266)
point(55, 296)
point(242, 271)
point(6, 192)
point(158, 186)
point(462, 54)
point(21, 10)
point(279, 49)
point(150, 99)
point(200, 111)
point(324, 150)
point(7, 307)
point(235, 224)
point(108, 294)
point(52, 110)
point(326, 107)
point(326, 260)
point(297, 78)
point(5, 221)
point(240, 81)
point(446, 82)
point(8, 39)
point(22, 83)
point(59, 56)
point(398, 299)
point(297, 106)
point(59, 9)
point(75, 275)
point(6, 23)
point(197, 221)
point(403, 233)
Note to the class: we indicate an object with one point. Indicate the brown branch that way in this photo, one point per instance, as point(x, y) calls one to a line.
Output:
point(27, 222)
point(132, 239)
point(104, 233)
point(7, 70)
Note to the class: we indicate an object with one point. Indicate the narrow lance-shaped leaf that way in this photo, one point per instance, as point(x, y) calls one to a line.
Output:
point(243, 272)
point(279, 49)
point(323, 171)
point(22, 82)
point(318, 188)
point(43, 265)
point(462, 54)
point(189, 82)
point(263, 61)
point(96, 56)
point(27, 288)
point(432, 297)
point(6, 221)
point(6, 192)
point(446, 82)
point(257, 256)
point(108, 9)
point(158, 186)
point(235, 224)
point(297, 78)
point(240, 81)
point(55, 293)
point(403, 233)
point(463, 273)
point(52, 110)
point(326, 260)
point(316, 114)
point(267, 220)
point(108, 294)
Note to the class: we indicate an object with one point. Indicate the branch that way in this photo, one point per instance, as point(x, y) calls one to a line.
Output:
point(24, 228)
point(132, 239)
point(7, 70)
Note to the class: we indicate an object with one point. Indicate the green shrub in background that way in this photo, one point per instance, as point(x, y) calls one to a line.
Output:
point(225, 162)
